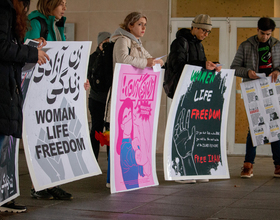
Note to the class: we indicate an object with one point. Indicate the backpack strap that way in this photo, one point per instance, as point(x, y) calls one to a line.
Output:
point(44, 27)
point(129, 47)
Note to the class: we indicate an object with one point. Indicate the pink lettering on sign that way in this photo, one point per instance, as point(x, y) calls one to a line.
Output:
point(140, 88)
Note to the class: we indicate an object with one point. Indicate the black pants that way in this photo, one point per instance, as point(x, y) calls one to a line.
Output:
point(97, 110)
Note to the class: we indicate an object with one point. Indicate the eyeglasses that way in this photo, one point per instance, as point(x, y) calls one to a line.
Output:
point(205, 31)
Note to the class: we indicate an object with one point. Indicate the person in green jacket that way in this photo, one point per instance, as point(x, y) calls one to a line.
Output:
point(52, 11)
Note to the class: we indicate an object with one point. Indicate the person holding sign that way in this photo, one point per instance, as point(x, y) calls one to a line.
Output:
point(52, 13)
point(128, 49)
point(259, 54)
point(13, 56)
point(188, 49)
point(97, 97)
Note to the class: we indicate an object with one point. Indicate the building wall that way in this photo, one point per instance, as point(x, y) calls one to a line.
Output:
point(222, 8)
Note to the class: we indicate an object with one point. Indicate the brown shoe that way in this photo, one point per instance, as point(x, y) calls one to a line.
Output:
point(277, 171)
point(247, 170)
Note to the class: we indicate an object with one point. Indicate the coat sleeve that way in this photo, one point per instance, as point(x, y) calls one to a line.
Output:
point(121, 54)
point(275, 50)
point(13, 51)
point(177, 56)
point(238, 63)
point(146, 53)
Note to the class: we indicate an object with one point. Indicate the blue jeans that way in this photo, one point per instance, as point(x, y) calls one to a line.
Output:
point(2, 136)
point(251, 151)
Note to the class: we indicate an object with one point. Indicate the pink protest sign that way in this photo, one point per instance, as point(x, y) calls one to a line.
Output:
point(136, 96)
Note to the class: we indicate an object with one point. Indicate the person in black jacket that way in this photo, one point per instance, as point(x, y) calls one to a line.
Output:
point(97, 99)
point(13, 56)
point(188, 49)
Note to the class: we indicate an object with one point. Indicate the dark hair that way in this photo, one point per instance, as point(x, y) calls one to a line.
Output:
point(266, 23)
point(21, 7)
point(26, 3)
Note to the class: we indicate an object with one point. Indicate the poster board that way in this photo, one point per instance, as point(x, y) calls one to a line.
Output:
point(136, 96)
point(261, 100)
point(195, 137)
point(55, 127)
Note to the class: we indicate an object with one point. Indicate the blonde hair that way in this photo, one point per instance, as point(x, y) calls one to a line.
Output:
point(47, 6)
point(131, 19)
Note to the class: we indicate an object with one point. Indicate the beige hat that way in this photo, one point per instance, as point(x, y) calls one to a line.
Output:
point(202, 21)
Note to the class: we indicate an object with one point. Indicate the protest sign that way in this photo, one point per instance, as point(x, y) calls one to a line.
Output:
point(136, 96)
point(195, 137)
point(55, 127)
point(9, 182)
point(261, 100)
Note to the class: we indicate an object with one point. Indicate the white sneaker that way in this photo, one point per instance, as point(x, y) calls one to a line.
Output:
point(185, 181)
point(108, 185)
point(203, 181)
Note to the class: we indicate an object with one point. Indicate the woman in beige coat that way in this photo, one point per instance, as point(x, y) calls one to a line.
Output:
point(128, 48)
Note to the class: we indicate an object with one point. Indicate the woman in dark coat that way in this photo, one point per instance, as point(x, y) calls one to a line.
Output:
point(13, 56)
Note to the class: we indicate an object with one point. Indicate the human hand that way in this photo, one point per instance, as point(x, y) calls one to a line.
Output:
point(42, 42)
point(42, 57)
point(274, 75)
point(185, 142)
point(160, 61)
point(218, 68)
point(86, 85)
point(210, 65)
point(252, 74)
point(150, 62)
